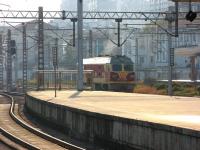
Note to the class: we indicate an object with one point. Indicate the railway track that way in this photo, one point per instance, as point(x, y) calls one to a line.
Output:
point(23, 134)
point(7, 144)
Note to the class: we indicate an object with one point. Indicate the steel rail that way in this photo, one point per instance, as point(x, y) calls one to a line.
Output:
point(36, 131)
point(18, 140)
point(15, 138)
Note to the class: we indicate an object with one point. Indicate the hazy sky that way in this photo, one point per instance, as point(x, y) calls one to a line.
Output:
point(30, 4)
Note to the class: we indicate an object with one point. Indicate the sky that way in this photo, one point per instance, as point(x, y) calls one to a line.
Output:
point(30, 4)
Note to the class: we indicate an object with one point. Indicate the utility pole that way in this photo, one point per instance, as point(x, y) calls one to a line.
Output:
point(170, 56)
point(24, 58)
point(119, 20)
point(136, 59)
point(1, 63)
point(119, 51)
point(90, 43)
point(80, 44)
point(9, 62)
point(74, 20)
point(40, 50)
point(176, 18)
point(171, 18)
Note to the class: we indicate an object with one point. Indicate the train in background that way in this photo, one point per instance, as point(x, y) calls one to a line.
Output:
point(113, 73)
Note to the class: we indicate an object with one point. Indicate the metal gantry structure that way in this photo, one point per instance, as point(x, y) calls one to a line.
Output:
point(103, 15)
point(9, 62)
point(90, 43)
point(24, 80)
point(79, 16)
point(80, 44)
point(1, 62)
point(40, 48)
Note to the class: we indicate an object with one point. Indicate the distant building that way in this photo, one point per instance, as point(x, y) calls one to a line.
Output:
point(106, 5)
point(154, 47)
point(159, 5)
point(163, 5)
point(152, 57)
point(32, 48)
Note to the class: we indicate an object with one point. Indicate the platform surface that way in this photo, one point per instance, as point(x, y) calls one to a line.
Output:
point(176, 111)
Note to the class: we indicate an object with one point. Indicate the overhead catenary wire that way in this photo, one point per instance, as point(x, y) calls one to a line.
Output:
point(131, 32)
point(127, 37)
point(106, 36)
point(61, 37)
point(20, 31)
point(154, 22)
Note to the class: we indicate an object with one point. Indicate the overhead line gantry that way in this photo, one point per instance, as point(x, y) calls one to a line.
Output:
point(73, 15)
point(19, 14)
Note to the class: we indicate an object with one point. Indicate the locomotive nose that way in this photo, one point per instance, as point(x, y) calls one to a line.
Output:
point(122, 75)
point(130, 76)
point(114, 76)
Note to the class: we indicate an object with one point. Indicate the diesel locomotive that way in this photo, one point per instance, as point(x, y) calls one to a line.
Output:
point(113, 73)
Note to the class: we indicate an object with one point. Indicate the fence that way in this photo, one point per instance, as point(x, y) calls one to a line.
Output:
point(65, 79)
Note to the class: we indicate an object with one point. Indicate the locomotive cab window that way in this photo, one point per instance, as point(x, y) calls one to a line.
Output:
point(116, 67)
point(128, 67)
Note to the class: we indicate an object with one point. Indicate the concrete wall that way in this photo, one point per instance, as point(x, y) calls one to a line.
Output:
point(114, 132)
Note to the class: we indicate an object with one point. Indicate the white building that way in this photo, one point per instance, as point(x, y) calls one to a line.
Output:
point(32, 48)
point(186, 45)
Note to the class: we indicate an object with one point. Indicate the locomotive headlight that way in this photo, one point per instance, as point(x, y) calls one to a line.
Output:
point(130, 76)
point(114, 76)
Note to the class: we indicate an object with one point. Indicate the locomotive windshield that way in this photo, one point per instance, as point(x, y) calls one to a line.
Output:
point(116, 67)
point(128, 67)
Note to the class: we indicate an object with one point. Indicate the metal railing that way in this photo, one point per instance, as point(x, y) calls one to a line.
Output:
point(66, 79)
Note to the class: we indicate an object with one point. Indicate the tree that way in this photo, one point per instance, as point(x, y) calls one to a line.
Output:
point(69, 60)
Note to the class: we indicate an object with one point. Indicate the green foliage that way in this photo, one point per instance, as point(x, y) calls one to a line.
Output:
point(186, 92)
point(198, 90)
point(32, 82)
point(189, 85)
point(160, 85)
point(178, 86)
point(150, 86)
point(69, 59)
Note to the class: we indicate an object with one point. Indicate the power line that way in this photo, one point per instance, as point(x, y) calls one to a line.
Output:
point(61, 37)
point(20, 30)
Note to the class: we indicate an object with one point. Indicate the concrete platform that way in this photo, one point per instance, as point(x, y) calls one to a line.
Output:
point(121, 121)
point(175, 111)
